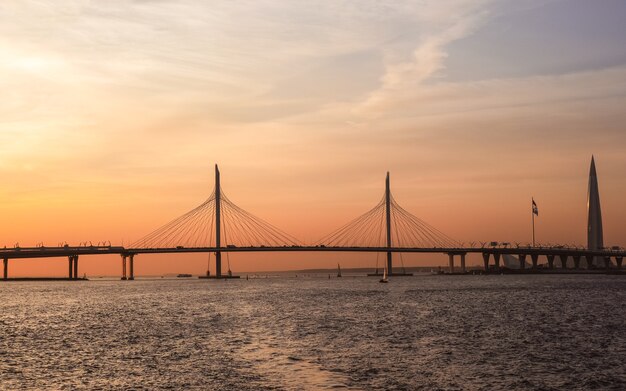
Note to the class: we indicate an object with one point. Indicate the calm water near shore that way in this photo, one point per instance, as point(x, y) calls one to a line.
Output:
point(536, 332)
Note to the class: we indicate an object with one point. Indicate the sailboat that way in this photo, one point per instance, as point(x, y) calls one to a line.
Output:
point(338, 270)
point(384, 279)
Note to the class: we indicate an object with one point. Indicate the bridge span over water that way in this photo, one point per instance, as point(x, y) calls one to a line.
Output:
point(569, 258)
point(219, 226)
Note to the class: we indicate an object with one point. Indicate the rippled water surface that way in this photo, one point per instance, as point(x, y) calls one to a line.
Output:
point(424, 332)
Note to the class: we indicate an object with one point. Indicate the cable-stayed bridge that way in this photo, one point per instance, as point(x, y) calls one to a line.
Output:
point(218, 226)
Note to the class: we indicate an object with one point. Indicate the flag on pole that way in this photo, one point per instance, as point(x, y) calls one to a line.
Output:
point(535, 210)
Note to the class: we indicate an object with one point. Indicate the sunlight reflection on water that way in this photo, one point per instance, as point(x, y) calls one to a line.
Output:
point(446, 332)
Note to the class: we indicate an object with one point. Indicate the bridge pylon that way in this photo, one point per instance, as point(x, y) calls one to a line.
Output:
point(218, 218)
point(389, 227)
point(218, 230)
point(388, 224)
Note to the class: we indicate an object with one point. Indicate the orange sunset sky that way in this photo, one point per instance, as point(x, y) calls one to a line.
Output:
point(113, 114)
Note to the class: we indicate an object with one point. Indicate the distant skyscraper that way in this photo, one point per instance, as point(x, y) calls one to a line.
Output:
point(594, 220)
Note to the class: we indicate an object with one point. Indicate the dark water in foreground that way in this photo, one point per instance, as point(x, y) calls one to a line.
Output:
point(424, 332)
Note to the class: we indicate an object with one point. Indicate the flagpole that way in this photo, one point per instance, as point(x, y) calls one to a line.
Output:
point(532, 212)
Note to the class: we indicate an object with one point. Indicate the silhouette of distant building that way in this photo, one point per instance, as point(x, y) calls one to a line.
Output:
point(594, 219)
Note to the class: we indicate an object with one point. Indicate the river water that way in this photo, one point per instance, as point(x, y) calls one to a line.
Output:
point(531, 332)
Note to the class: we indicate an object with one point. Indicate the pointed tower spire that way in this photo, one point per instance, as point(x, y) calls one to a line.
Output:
point(594, 213)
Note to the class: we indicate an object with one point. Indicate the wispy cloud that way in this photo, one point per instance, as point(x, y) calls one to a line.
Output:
point(407, 77)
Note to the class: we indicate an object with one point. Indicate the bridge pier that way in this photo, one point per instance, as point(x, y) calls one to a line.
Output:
point(123, 267)
point(589, 259)
point(451, 262)
point(218, 264)
point(76, 267)
point(496, 257)
point(535, 259)
point(550, 261)
point(463, 263)
point(563, 259)
point(522, 261)
point(131, 269)
point(6, 268)
point(486, 261)
point(70, 262)
point(618, 262)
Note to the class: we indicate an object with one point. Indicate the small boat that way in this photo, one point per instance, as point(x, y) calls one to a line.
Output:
point(338, 270)
point(183, 275)
point(384, 279)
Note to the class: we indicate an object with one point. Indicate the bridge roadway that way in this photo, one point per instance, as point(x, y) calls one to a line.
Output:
point(563, 254)
point(65, 251)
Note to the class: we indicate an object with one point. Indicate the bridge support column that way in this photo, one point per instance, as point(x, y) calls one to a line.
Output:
point(563, 259)
point(123, 267)
point(76, 267)
point(5, 261)
point(618, 262)
point(132, 267)
point(589, 259)
point(463, 263)
point(451, 262)
point(576, 261)
point(218, 264)
point(522, 261)
point(550, 261)
point(486, 261)
point(496, 257)
point(535, 259)
point(70, 262)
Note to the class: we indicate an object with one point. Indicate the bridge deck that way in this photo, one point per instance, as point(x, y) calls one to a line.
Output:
point(49, 252)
